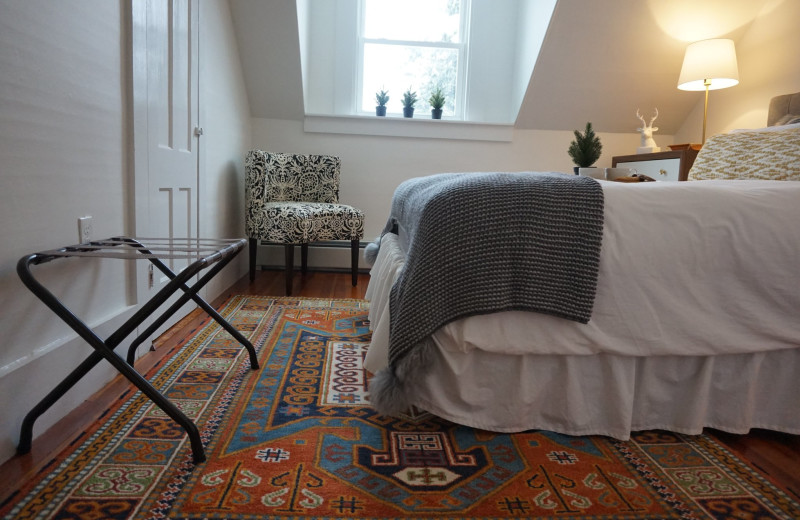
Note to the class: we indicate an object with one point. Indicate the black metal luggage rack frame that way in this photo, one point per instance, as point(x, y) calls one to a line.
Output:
point(214, 254)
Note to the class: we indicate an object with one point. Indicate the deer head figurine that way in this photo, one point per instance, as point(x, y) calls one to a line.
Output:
point(647, 131)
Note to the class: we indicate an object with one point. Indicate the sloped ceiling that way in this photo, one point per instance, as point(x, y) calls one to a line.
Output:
point(599, 62)
point(269, 47)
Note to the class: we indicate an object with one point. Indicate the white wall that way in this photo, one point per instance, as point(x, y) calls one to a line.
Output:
point(534, 18)
point(304, 41)
point(767, 55)
point(373, 166)
point(491, 70)
point(64, 153)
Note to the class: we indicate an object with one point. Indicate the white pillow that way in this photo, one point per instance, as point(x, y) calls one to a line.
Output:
point(773, 154)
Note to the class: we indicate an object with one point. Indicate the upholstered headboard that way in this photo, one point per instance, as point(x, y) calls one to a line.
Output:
point(784, 109)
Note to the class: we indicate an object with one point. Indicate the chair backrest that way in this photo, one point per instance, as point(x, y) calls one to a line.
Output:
point(291, 177)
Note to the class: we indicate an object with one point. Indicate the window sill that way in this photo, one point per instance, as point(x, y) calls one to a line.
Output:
point(408, 127)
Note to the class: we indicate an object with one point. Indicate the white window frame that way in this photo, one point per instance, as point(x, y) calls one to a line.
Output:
point(460, 108)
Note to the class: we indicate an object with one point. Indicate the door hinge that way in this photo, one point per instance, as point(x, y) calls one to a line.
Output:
point(150, 277)
point(198, 131)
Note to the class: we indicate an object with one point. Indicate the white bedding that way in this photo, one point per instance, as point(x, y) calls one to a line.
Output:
point(696, 323)
point(691, 268)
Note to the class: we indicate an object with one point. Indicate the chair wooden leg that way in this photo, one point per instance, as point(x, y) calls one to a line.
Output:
point(354, 261)
point(289, 257)
point(304, 257)
point(253, 249)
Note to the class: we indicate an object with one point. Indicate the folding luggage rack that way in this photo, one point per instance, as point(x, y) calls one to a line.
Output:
point(214, 254)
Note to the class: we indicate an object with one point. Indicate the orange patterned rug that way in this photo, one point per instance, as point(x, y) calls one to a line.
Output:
point(297, 439)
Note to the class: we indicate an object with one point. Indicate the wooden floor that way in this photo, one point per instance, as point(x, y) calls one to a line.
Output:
point(777, 455)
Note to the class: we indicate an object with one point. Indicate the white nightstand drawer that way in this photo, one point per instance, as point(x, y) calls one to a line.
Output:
point(660, 170)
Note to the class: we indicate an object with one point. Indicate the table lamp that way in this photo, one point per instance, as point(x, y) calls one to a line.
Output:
point(709, 65)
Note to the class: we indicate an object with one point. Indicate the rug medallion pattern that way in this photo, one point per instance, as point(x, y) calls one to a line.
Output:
point(297, 439)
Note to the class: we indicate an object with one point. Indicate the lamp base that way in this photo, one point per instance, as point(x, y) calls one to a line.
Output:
point(648, 149)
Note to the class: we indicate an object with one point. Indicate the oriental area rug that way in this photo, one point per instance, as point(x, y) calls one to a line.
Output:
point(297, 439)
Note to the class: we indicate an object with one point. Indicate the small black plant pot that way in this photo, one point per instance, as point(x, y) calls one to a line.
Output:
point(380, 111)
point(436, 113)
point(408, 111)
point(575, 169)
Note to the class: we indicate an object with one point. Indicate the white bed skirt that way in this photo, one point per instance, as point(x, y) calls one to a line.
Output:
point(603, 394)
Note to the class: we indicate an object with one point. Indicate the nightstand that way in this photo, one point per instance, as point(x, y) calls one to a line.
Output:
point(662, 166)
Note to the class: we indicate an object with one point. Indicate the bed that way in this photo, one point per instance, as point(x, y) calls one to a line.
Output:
point(694, 311)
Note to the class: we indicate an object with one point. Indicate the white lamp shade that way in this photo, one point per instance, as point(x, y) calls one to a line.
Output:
point(709, 60)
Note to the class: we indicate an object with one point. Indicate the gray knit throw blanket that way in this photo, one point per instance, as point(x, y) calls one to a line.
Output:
point(481, 243)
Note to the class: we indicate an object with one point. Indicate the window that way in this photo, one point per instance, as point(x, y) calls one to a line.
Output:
point(481, 52)
point(419, 45)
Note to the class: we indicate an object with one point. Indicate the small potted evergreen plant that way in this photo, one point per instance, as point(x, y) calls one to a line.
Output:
point(437, 102)
point(382, 97)
point(585, 149)
point(409, 100)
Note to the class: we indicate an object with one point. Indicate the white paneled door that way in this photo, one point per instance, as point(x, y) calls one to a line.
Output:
point(164, 35)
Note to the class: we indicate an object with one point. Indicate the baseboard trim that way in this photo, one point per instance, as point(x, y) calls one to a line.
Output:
point(101, 325)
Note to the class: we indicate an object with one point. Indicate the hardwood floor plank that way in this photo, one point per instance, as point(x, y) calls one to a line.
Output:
point(776, 454)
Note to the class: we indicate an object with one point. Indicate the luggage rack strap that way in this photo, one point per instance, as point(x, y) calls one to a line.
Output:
point(130, 248)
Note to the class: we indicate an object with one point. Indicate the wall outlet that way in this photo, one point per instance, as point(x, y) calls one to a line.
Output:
point(85, 229)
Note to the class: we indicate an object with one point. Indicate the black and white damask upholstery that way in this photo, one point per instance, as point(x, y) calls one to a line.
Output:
point(294, 199)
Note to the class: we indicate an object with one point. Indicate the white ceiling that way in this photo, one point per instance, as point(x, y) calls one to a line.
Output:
point(600, 60)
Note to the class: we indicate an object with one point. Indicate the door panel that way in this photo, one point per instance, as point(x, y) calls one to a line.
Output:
point(165, 92)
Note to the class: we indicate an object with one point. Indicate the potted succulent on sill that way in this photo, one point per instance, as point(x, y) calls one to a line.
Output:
point(437, 102)
point(409, 100)
point(585, 149)
point(382, 98)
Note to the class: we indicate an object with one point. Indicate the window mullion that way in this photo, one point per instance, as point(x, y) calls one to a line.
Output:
point(412, 43)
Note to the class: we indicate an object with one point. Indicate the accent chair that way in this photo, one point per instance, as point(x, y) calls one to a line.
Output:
point(293, 200)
